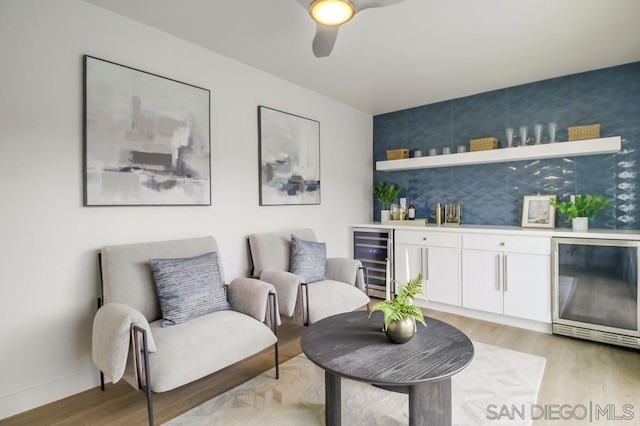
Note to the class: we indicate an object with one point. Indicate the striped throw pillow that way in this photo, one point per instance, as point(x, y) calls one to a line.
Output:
point(189, 288)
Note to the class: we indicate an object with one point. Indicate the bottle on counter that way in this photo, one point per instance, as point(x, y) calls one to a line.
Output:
point(403, 209)
point(411, 212)
point(438, 214)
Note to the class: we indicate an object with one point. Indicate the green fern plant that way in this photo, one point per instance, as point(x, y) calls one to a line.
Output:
point(399, 308)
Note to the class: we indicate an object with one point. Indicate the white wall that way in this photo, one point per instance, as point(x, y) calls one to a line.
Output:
point(48, 270)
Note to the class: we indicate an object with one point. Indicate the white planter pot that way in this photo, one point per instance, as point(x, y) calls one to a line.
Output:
point(385, 215)
point(580, 223)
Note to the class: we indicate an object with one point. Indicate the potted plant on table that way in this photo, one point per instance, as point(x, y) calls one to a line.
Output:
point(400, 315)
point(581, 208)
point(385, 194)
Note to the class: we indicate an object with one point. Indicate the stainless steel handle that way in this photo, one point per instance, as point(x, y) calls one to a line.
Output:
point(498, 272)
point(555, 300)
point(504, 272)
point(390, 262)
point(389, 283)
point(425, 262)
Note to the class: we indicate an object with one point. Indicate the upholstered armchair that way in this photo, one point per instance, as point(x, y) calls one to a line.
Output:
point(309, 286)
point(168, 318)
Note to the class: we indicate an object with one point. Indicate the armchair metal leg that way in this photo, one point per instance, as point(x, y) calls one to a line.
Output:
point(147, 373)
point(99, 302)
point(305, 319)
point(273, 306)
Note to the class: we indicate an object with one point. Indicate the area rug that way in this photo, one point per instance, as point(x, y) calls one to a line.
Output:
point(495, 378)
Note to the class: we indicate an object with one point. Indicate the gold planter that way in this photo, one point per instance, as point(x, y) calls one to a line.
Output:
point(401, 331)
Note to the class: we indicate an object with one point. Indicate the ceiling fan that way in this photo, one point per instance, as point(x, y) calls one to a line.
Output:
point(330, 14)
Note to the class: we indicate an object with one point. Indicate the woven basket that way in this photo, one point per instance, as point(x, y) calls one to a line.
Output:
point(397, 154)
point(578, 133)
point(483, 144)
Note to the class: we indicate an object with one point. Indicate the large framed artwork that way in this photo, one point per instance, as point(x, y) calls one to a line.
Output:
point(538, 212)
point(146, 138)
point(289, 158)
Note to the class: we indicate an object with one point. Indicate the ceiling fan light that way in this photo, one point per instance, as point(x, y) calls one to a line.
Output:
point(331, 12)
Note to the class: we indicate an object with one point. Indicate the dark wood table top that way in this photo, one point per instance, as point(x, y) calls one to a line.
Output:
point(355, 347)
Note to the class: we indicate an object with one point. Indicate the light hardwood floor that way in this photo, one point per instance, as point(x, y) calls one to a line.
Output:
point(577, 372)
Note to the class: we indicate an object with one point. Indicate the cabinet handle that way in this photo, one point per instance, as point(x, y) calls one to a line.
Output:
point(504, 272)
point(425, 262)
point(390, 255)
point(498, 272)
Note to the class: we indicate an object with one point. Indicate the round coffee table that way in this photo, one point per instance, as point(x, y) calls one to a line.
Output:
point(353, 346)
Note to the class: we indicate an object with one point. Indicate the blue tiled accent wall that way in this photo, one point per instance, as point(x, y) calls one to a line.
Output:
point(492, 194)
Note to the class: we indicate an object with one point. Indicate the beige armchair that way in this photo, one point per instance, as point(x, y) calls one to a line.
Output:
point(336, 287)
point(169, 321)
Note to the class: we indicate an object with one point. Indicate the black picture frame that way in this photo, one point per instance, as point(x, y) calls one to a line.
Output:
point(289, 158)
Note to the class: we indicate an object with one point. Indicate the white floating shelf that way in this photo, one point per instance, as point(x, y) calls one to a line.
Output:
point(531, 152)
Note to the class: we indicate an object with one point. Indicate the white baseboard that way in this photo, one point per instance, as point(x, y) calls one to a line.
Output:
point(488, 316)
point(29, 399)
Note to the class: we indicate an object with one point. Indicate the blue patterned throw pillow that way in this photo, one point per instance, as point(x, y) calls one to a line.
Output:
point(189, 287)
point(308, 259)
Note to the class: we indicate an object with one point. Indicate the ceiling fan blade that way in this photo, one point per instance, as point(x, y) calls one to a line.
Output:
point(304, 3)
point(368, 4)
point(324, 40)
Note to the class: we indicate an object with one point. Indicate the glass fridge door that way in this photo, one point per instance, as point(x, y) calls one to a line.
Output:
point(597, 283)
point(371, 248)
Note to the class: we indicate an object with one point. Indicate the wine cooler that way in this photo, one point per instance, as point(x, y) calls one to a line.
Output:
point(374, 249)
point(595, 290)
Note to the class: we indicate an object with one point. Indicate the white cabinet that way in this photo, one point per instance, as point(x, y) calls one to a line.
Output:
point(527, 286)
point(436, 256)
point(503, 273)
point(507, 275)
point(482, 289)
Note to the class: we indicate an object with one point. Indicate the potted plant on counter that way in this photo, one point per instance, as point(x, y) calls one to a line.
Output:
point(581, 208)
point(385, 194)
point(400, 314)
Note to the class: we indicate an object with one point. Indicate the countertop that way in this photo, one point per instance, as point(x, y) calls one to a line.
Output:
point(419, 224)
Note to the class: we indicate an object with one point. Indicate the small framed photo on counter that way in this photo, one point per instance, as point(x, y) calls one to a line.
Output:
point(537, 211)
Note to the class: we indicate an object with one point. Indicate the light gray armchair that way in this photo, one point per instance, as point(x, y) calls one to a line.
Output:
point(338, 287)
point(133, 338)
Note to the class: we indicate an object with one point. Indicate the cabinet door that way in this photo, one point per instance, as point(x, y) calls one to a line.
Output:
point(411, 255)
point(527, 286)
point(442, 275)
point(481, 280)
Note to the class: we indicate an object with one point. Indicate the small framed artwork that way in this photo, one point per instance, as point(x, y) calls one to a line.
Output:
point(537, 211)
point(146, 138)
point(289, 148)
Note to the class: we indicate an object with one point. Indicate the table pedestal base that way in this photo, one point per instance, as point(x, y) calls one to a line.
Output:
point(429, 402)
point(332, 399)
